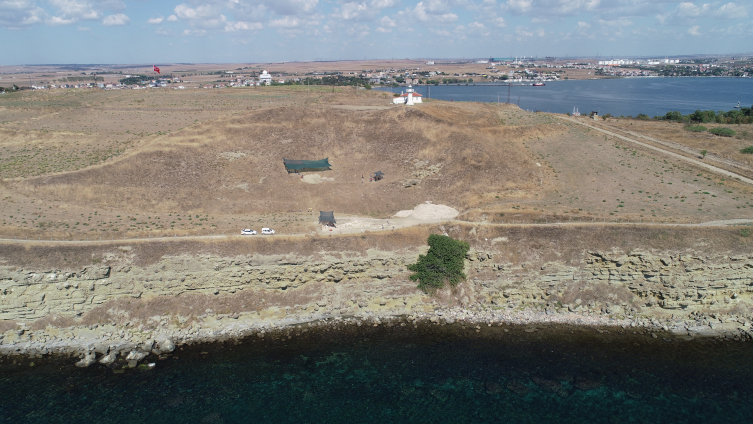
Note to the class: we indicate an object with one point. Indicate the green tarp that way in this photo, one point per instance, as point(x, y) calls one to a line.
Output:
point(292, 165)
point(327, 217)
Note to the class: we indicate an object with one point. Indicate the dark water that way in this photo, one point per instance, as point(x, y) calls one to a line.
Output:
point(619, 97)
point(400, 374)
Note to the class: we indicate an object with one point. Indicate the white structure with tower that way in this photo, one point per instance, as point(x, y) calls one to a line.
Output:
point(410, 97)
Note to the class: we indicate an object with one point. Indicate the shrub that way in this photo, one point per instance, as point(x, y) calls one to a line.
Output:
point(696, 128)
point(443, 262)
point(748, 150)
point(724, 132)
point(642, 117)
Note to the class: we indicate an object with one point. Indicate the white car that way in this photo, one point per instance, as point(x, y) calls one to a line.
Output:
point(248, 232)
point(267, 231)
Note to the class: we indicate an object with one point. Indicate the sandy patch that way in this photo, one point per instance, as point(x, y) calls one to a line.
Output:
point(315, 179)
point(429, 212)
point(231, 156)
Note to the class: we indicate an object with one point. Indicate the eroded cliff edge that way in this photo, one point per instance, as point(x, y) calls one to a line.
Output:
point(129, 297)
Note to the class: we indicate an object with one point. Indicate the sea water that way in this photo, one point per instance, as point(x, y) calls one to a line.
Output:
point(619, 97)
point(423, 374)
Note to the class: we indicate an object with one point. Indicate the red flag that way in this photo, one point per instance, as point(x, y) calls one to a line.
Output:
point(156, 69)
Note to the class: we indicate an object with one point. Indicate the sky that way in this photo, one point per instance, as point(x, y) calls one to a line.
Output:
point(248, 31)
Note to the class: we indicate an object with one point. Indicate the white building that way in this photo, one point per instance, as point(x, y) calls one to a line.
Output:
point(410, 97)
point(265, 78)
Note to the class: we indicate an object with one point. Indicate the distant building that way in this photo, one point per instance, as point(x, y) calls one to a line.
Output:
point(265, 78)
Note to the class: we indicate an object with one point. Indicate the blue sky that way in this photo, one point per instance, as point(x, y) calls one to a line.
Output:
point(165, 31)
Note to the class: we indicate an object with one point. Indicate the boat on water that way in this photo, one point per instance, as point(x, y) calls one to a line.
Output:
point(538, 84)
point(738, 105)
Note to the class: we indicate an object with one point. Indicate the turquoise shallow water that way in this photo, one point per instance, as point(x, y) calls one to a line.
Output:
point(625, 96)
point(401, 374)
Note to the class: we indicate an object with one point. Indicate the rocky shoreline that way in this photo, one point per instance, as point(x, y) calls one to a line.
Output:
point(131, 347)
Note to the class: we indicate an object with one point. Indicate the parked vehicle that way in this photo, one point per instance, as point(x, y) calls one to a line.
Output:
point(267, 231)
point(248, 232)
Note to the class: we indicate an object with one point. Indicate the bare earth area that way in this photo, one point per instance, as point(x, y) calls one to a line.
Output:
point(124, 164)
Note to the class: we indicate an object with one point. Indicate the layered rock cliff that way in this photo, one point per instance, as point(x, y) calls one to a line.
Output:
point(677, 282)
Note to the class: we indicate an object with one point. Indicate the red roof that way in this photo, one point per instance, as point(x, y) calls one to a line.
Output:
point(414, 95)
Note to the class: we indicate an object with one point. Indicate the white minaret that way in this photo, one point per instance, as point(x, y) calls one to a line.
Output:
point(410, 96)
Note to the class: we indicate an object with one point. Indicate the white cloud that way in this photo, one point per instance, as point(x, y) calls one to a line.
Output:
point(69, 11)
point(499, 22)
point(432, 11)
point(520, 6)
point(731, 11)
point(57, 20)
point(116, 20)
point(383, 30)
point(383, 4)
point(523, 32)
point(155, 21)
point(694, 30)
point(83, 28)
point(354, 11)
point(357, 31)
point(555, 7)
point(20, 13)
point(690, 10)
point(286, 22)
point(243, 26)
point(290, 7)
point(197, 32)
point(362, 11)
point(583, 25)
point(172, 18)
point(164, 32)
point(621, 22)
point(386, 22)
point(203, 16)
point(685, 12)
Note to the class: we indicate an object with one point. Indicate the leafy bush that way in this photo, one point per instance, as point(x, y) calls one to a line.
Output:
point(747, 150)
point(724, 132)
point(642, 117)
point(696, 128)
point(675, 116)
point(443, 262)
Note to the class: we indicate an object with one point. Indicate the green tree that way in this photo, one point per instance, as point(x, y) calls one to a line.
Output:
point(444, 262)
point(703, 153)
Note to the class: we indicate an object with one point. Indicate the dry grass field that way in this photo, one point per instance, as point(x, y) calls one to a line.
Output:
point(673, 132)
point(78, 164)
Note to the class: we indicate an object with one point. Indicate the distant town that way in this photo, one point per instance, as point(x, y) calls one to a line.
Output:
point(364, 74)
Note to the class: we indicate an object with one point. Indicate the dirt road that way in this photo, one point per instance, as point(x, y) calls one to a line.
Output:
point(701, 164)
point(375, 229)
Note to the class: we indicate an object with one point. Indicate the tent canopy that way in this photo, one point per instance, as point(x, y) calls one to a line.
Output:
point(292, 165)
point(325, 216)
point(379, 174)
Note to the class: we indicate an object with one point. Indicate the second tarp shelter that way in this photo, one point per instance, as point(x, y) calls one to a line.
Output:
point(378, 175)
point(327, 218)
point(294, 165)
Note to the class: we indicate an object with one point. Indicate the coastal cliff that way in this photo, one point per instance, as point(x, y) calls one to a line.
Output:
point(129, 296)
